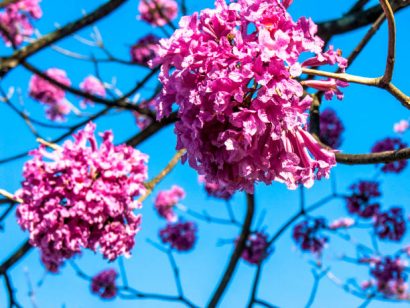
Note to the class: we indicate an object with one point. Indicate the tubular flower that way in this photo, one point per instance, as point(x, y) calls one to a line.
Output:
point(331, 128)
point(361, 202)
point(166, 200)
point(50, 95)
point(158, 12)
point(180, 236)
point(391, 144)
point(242, 114)
point(215, 190)
point(82, 196)
point(390, 224)
point(16, 20)
point(92, 85)
point(307, 234)
point(145, 49)
point(255, 248)
point(103, 284)
point(391, 278)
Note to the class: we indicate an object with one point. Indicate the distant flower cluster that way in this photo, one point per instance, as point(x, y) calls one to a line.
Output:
point(180, 236)
point(82, 196)
point(166, 200)
point(145, 49)
point(17, 18)
point(57, 106)
point(391, 144)
point(231, 70)
point(158, 12)
point(103, 284)
point(331, 128)
point(215, 190)
point(256, 248)
point(308, 235)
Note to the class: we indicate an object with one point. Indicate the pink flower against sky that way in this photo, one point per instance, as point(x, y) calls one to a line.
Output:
point(16, 19)
point(145, 49)
point(82, 195)
point(242, 112)
point(50, 95)
point(158, 12)
point(103, 284)
point(92, 85)
point(401, 126)
point(166, 200)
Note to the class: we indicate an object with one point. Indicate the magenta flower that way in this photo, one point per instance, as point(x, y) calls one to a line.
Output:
point(391, 224)
point(242, 113)
point(331, 128)
point(50, 95)
point(16, 19)
point(342, 223)
point(362, 200)
point(103, 284)
point(391, 278)
point(307, 235)
point(145, 49)
point(158, 12)
point(215, 190)
point(401, 126)
point(391, 144)
point(92, 85)
point(256, 248)
point(166, 200)
point(82, 196)
point(180, 236)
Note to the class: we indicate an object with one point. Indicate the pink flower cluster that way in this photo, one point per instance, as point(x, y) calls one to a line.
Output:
point(231, 70)
point(103, 284)
point(82, 196)
point(158, 12)
point(391, 144)
point(50, 95)
point(362, 199)
point(92, 85)
point(390, 224)
point(145, 49)
point(215, 190)
point(255, 248)
point(180, 236)
point(308, 236)
point(16, 19)
point(166, 200)
point(391, 278)
point(331, 128)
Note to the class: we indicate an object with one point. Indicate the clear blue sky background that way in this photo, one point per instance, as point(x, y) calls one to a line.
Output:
point(367, 113)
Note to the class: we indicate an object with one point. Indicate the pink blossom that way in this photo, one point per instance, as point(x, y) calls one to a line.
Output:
point(390, 224)
point(340, 223)
point(308, 235)
point(92, 85)
point(166, 200)
point(82, 196)
point(16, 19)
point(331, 128)
point(242, 115)
point(50, 95)
point(256, 248)
point(158, 12)
point(103, 284)
point(145, 49)
point(401, 127)
point(180, 236)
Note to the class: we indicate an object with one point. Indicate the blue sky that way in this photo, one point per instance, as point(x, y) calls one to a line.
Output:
point(368, 115)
